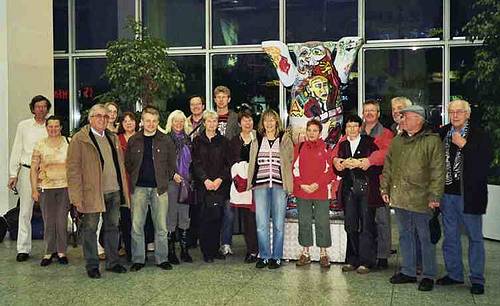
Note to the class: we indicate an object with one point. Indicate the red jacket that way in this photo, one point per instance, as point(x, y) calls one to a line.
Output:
point(312, 163)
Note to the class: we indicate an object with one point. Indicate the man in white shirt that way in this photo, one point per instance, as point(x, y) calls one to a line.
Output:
point(28, 133)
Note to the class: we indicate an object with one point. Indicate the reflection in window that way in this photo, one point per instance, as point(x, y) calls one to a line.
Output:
point(193, 68)
point(251, 78)
point(244, 22)
point(395, 19)
point(180, 22)
point(461, 12)
point(60, 11)
point(61, 92)
point(98, 22)
point(90, 83)
point(416, 74)
point(322, 20)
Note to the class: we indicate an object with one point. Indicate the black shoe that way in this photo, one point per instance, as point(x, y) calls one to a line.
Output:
point(94, 273)
point(165, 265)
point(426, 284)
point(446, 280)
point(208, 259)
point(261, 263)
point(45, 262)
point(63, 260)
point(117, 269)
point(220, 256)
point(22, 257)
point(274, 264)
point(183, 241)
point(401, 278)
point(382, 264)
point(172, 257)
point(477, 289)
point(250, 258)
point(136, 267)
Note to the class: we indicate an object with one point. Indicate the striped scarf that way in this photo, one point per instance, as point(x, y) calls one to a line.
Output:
point(454, 171)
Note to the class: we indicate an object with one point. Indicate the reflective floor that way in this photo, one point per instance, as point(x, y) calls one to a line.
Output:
point(229, 282)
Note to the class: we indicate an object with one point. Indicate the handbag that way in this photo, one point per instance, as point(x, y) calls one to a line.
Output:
point(185, 195)
point(435, 227)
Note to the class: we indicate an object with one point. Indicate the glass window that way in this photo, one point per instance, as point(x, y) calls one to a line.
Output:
point(193, 68)
point(180, 22)
point(251, 78)
point(61, 92)
point(308, 20)
point(98, 22)
point(242, 22)
point(60, 11)
point(461, 12)
point(462, 61)
point(90, 83)
point(395, 19)
point(413, 73)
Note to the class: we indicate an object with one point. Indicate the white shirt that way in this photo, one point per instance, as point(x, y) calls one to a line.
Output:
point(354, 144)
point(28, 133)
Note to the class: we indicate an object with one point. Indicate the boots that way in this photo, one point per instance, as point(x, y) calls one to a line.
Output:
point(183, 238)
point(172, 258)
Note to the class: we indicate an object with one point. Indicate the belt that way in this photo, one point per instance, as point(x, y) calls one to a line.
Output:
point(26, 166)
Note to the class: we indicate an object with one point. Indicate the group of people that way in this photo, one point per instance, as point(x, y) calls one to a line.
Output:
point(197, 173)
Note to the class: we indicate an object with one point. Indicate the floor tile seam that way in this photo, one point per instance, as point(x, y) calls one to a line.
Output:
point(240, 290)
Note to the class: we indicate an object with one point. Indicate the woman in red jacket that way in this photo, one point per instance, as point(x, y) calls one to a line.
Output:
point(312, 171)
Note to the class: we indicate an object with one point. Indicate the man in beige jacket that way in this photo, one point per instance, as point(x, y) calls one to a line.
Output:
point(97, 185)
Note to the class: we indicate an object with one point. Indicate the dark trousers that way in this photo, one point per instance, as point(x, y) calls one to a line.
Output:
point(54, 204)
point(250, 230)
point(125, 229)
point(110, 221)
point(194, 225)
point(359, 224)
point(210, 229)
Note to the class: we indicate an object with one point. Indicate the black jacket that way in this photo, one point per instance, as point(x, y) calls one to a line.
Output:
point(365, 148)
point(212, 160)
point(477, 154)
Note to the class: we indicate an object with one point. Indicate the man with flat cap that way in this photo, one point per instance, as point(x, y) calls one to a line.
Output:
point(413, 184)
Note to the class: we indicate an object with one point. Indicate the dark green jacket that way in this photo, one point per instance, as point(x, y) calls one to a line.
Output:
point(414, 171)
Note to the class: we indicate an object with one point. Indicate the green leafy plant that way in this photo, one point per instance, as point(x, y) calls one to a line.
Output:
point(140, 71)
point(485, 74)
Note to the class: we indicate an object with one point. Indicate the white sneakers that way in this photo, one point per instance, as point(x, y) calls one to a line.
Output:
point(225, 250)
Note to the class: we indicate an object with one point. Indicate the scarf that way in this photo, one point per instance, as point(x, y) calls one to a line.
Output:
point(454, 170)
point(181, 141)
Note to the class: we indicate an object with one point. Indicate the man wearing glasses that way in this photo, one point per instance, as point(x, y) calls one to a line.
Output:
point(468, 155)
point(97, 185)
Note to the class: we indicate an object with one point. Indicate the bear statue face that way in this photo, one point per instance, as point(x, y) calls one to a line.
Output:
point(309, 55)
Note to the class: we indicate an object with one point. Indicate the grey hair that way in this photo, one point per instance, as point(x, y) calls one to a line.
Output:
point(465, 104)
point(208, 114)
point(95, 107)
point(404, 100)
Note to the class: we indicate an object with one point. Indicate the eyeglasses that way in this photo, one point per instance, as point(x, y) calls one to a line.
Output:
point(101, 116)
point(457, 112)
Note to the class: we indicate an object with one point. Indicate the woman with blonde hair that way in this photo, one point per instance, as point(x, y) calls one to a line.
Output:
point(270, 176)
point(178, 208)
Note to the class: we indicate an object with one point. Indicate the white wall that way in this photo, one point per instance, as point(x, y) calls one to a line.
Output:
point(26, 70)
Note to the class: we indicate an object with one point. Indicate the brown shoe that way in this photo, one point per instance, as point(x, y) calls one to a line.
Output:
point(348, 268)
point(102, 256)
point(324, 261)
point(363, 270)
point(303, 260)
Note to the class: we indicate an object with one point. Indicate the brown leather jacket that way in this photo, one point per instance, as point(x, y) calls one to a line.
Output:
point(164, 159)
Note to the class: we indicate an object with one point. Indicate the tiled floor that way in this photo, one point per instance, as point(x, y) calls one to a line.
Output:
point(229, 282)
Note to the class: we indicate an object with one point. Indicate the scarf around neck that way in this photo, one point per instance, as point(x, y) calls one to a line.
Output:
point(454, 170)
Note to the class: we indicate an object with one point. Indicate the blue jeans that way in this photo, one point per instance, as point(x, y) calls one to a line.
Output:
point(141, 199)
point(452, 207)
point(408, 223)
point(270, 201)
point(227, 224)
